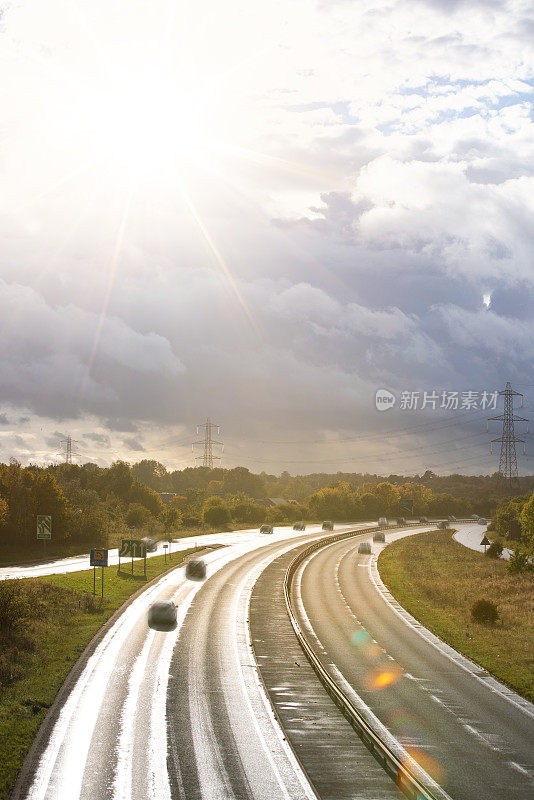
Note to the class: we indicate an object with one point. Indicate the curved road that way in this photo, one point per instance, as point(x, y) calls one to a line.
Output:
point(176, 714)
point(470, 739)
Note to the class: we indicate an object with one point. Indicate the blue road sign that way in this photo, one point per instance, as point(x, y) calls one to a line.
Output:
point(99, 557)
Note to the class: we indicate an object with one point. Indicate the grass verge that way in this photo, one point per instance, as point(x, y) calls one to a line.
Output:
point(438, 580)
point(56, 618)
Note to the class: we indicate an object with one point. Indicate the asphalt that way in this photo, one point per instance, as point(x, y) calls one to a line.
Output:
point(470, 739)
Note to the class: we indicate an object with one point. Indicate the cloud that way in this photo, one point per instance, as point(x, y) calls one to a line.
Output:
point(367, 179)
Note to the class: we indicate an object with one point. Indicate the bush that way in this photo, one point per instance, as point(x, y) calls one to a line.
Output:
point(494, 550)
point(215, 511)
point(14, 606)
point(485, 611)
point(519, 562)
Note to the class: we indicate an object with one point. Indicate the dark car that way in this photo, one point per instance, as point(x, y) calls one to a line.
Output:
point(266, 528)
point(443, 525)
point(401, 520)
point(299, 526)
point(364, 547)
point(378, 536)
point(195, 569)
point(328, 525)
point(162, 613)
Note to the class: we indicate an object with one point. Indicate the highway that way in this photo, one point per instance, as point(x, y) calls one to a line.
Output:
point(176, 714)
point(187, 714)
point(474, 741)
point(76, 563)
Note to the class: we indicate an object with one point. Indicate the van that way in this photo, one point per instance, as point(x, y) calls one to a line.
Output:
point(382, 521)
point(328, 525)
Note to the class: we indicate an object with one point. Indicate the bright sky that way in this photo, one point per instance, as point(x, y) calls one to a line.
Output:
point(263, 212)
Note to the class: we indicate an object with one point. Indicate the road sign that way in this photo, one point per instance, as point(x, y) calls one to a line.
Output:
point(135, 548)
point(44, 526)
point(99, 557)
point(485, 542)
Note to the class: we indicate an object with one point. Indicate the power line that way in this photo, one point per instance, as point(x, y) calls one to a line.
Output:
point(208, 442)
point(68, 449)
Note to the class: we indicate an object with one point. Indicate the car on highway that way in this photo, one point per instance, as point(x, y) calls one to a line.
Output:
point(443, 524)
point(378, 536)
point(162, 612)
point(451, 518)
point(328, 525)
point(150, 544)
point(382, 521)
point(423, 519)
point(195, 569)
point(475, 516)
point(401, 520)
point(266, 528)
point(364, 547)
point(482, 521)
point(299, 526)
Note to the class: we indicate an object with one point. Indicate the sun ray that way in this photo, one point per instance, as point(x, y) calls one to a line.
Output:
point(109, 288)
point(222, 264)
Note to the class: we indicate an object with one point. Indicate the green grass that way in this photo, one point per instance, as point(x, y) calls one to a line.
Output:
point(438, 580)
point(40, 653)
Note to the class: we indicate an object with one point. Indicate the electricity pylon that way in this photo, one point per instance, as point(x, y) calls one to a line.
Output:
point(68, 449)
point(208, 442)
point(508, 458)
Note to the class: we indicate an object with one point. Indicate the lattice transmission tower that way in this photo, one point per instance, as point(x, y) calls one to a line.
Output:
point(508, 475)
point(208, 458)
point(68, 448)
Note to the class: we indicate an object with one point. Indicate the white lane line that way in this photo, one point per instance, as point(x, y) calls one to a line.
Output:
point(122, 785)
point(519, 768)
point(61, 767)
point(491, 683)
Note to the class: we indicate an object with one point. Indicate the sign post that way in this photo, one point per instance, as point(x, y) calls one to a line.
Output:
point(485, 542)
point(135, 548)
point(44, 528)
point(98, 558)
point(165, 546)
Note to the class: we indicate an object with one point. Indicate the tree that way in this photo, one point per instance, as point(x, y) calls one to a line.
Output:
point(526, 518)
point(152, 474)
point(215, 511)
point(4, 511)
point(172, 519)
point(139, 493)
point(137, 516)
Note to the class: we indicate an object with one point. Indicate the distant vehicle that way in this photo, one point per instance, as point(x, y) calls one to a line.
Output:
point(266, 529)
point(195, 569)
point(443, 525)
point(482, 521)
point(299, 526)
point(475, 516)
point(401, 520)
point(382, 521)
point(364, 547)
point(451, 518)
point(162, 613)
point(150, 544)
point(378, 536)
point(328, 525)
point(423, 519)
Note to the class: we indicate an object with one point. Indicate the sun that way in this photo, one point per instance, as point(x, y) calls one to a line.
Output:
point(145, 122)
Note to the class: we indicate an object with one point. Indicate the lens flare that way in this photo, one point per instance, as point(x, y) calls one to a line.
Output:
point(430, 765)
point(382, 677)
point(361, 638)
